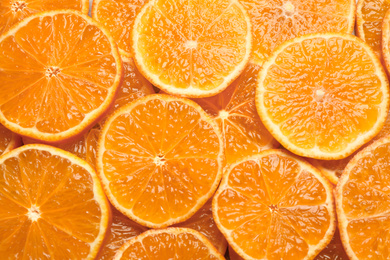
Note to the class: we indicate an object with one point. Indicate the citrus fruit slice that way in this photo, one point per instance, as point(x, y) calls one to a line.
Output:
point(53, 205)
point(323, 96)
point(333, 251)
point(121, 230)
point(369, 17)
point(275, 206)
point(165, 144)
point(276, 21)
point(192, 48)
point(13, 11)
point(203, 222)
point(386, 40)
point(8, 140)
point(233, 255)
point(59, 72)
point(234, 110)
point(362, 202)
point(170, 243)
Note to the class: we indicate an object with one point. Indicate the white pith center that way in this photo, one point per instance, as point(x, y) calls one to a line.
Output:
point(191, 44)
point(52, 72)
point(33, 213)
point(289, 8)
point(159, 160)
point(319, 95)
point(223, 114)
point(18, 6)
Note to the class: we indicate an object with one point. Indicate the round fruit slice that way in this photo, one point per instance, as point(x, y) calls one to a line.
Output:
point(363, 205)
point(234, 110)
point(386, 40)
point(13, 11)
point(323, 96)
point(369, 17)
point(52, 205)
point(170, 243)
point(333, 251)
point(203, 222)
point(8, 140)
point(276, 21)
point(160, 159)
point(192, 48)
point(59, 72)
point(275, 206)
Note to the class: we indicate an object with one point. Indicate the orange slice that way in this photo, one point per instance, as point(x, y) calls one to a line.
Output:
point(369, 17)
point(333, 251)
point(204, 223)
point(386, 40)
point(170, 243)
point(8, 140)
point(363, 205)
point(53, 205)
point(192, 48)
point(13, 11)
point(121, 230)
point(276, 21)
point(323, 96)
point(275, 206)
point(234, 110)
point(59, 72)
point(162, 143)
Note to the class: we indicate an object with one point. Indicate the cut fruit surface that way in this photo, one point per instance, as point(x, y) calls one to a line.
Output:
point(204, 223)
point(334, 250)
point(386, 40)
point(323, 96)
point(275, 206)
point(160, 159)
point(8, 140)
point(192, 48)
point(59, 72)
point(170, 243)
point(362, 202)
point(369, 17)
point(234, 110)
point(13, 11)
point(276, 21)
point(52, 205)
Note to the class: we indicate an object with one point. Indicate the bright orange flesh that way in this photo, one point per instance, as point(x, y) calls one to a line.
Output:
point(59, 72)
point(386, 40)
point(363, 205)
point(275, 206)
point(160, 159)
point(8, 140)
point(52, 205)
point(323, 95)
point(192, 48)
point(276, 21)
point(170, 243)
point(333, 251)
point(369, 17)
point(13, 11)
point(234, 110)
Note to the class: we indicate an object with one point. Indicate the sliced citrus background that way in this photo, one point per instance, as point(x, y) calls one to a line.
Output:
point(363, 205)
point(121, 230)
point(118, 17)
point(234, 110)
point(276, 21)
point(160, 159)
point(170, 243)
point(192, 48)
point(59, 72)
point(369, 17)
point(233, 255)
point(204, 223)
point(13, 11)
point(8, 140)
point(334, 250)
point(323, 96)
point(52, 205)
point(275, 206)
point(386, 40)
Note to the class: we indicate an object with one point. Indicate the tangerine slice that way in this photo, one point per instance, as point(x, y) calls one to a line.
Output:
point(234, 110)
point(170, 243)
point(53, 205)
point(363, 205)
point(386, 40)
point(59, 72)
point(323, 96)
point(8, 140)
point(192, 48)
point(275, 206)
point(160, 159)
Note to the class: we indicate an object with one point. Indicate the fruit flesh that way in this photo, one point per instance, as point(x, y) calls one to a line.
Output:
point(333, 251)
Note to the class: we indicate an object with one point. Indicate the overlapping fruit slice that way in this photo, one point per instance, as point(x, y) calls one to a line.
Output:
point(363, 205)
point(334, 250)
point(323, 96)
point(8, 140)
point(275, 206)
point(160, 159)
point(234, 110)
point(192, 48)
point(170, 243)
point(386, 40)
point(52, 205)
point(59, 72)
